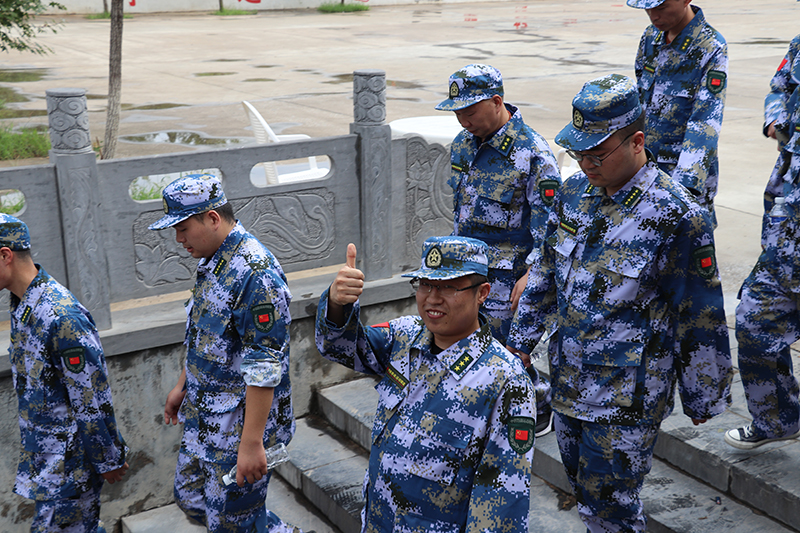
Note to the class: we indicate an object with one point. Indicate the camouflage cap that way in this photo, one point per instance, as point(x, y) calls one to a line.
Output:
point(645, 4)
point(189, 195)
point(471, 85)
point(14, 233)
point(452, 257)
point(603, 106)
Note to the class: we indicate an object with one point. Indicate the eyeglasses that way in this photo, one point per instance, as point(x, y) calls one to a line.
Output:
point(445, 291)
point(593, 159)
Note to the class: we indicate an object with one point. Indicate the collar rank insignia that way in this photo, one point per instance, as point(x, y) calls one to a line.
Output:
point(632, 197)
point(521, 431)
point(453, 90)
point(577, 118)
point(547, 190)
point(434, 258)
point(26, 314)
point(685, 44)
point(705, 261)
point(219, 267)
point(505, 145)
point(715, 81)
point(263, 317)
point(398, 378)
point(456, 167)
point(74, 359)
point(650, 68)
point(461, 364)
point(569, 228)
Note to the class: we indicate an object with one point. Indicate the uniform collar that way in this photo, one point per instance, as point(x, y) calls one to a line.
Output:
point(687, 35)
point(222, 256)
point(461, 356)
point(630, 193)
point(21, 308)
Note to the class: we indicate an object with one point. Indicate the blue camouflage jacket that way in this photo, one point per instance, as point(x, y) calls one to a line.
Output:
point(68, 431)
point(781, 241)
point(501, 193)
point(237, 335)
point(632, 280)
point(682, 87)
point(452, 439)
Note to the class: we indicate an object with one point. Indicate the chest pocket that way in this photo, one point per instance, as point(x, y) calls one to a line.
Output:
point(563, 243)
point(434, 447)
point(493, 202)
point(209, 338)
point(618, 279)
point(669, 111)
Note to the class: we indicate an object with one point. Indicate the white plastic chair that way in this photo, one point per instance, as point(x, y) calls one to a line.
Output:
point(570, 168)
point(264, 135)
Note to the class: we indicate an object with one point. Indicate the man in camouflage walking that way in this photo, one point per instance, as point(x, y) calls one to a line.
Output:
point(629, 270)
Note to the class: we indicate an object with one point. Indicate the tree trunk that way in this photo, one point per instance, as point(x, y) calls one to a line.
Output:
point(114, 81)
point(105, 6)
point(220, 6)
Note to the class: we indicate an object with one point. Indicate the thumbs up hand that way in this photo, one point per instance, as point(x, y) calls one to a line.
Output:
point(349, 282)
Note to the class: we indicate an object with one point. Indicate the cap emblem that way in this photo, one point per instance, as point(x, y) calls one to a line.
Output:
point(453, 90)
point(577, 119)
point(434, 258)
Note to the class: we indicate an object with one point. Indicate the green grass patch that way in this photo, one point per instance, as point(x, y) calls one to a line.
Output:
point(232, 12)
point(259, 79)
point(23, 144)
point(10, 75)
point(200, 74)
point(341, 7)
point(22, 113)
point(106, 15)
point(8, 95)
point(12, 201)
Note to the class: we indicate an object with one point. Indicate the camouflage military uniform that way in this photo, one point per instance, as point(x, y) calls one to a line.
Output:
point(66, 418)
point(443, 456)
point(501, 193)
point(768, 316)
point(682, 87)
point(633, 281)
point(237, 336)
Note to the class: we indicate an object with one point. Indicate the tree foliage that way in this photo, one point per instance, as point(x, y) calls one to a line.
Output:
point(17, 27)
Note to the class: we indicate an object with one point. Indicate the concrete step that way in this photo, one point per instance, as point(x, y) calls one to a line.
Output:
point(674, 501)
point(282, 499)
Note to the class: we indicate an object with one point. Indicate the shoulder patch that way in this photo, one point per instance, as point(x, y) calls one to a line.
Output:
point(705, 262)
point(461, 364)
point(74, 359)
point(263, 317)
point(547, 190)
point(715, 81)
point(521, 431)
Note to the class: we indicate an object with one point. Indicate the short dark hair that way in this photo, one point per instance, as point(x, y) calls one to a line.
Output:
point(225, 212)
point(630, 129)
point(477, 279)
point(24, 255)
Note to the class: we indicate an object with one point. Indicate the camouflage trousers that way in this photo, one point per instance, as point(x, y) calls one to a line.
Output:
point(69, 515)
point(606, 466)
point(200, 493)
point(767, 323)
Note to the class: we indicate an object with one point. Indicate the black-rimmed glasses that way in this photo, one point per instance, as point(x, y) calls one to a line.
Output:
point(446, 291)
point(593, 159)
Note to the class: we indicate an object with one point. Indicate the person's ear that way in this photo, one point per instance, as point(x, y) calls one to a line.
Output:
point(483, 292)
point(638, 142)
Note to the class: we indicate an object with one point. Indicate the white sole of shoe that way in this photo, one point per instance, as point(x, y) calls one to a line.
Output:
point(751, 445)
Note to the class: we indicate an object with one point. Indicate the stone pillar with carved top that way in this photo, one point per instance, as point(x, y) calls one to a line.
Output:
point(375, 169)
point(77, 176)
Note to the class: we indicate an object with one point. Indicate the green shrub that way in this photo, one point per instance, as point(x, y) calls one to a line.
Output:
point(341, 7)
point(23, 144)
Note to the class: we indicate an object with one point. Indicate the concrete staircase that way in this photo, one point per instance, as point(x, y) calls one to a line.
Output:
point(697, 483)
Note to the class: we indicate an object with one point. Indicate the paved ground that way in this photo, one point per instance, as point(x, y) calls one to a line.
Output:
point(189, 72)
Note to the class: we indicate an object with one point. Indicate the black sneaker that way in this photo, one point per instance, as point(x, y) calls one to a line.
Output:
point(746, 439)
point(544, 422)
